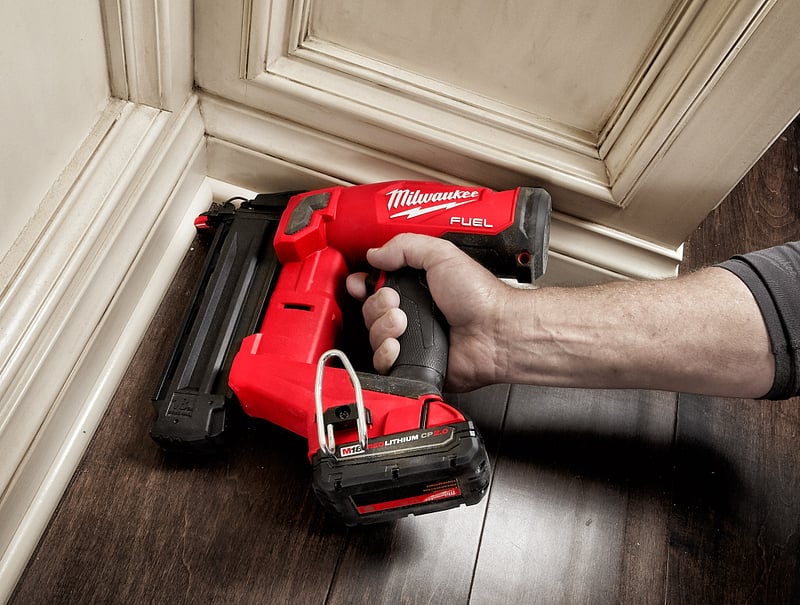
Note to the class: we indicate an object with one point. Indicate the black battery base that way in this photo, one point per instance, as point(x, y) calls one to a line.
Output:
point(411, 473)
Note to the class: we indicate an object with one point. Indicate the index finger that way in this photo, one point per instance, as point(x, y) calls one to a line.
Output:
point(412, 250)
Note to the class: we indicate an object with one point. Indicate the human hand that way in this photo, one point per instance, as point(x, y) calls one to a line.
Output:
point(471, 299)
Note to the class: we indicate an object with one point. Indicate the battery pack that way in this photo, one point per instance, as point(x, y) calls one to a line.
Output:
point(402, 474)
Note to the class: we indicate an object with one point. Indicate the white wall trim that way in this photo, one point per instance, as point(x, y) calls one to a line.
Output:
point(703, 44)
point(149, 50)
point(79, 305)
point(13, 260)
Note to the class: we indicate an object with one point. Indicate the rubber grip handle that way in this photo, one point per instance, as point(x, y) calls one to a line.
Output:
point(423, 346)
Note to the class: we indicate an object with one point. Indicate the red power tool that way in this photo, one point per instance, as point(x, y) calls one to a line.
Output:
point(268, 316)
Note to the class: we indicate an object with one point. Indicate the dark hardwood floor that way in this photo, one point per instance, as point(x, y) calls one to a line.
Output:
point(597, 496)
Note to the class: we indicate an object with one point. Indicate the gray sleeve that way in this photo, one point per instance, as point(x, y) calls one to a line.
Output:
point(773, 276)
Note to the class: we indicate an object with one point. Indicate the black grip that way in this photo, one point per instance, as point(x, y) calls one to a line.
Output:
point(424, 345)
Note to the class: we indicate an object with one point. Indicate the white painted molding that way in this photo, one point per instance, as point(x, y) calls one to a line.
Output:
point(79, 305)
point(711, 35)
point(698, 154)
point(250, 149)
point(111, 13)
point(331, 90)
point(11, 263)
point(599, 253)
point(149, 50)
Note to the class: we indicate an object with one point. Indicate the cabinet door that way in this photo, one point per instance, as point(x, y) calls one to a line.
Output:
point(637, 117)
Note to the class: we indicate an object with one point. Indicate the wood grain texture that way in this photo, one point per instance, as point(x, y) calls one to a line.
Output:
point(735, 529)
point(597, 496)
point(578, 508)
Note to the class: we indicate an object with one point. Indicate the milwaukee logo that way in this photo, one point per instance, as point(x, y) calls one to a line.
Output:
point(410, 203)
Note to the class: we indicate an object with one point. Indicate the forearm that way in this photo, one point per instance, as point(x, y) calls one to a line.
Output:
point(700, 333)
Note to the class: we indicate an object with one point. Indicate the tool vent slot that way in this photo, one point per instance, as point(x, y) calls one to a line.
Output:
point(298, 307)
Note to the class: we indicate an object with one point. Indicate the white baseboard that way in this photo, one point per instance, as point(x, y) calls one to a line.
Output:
point(79, 304)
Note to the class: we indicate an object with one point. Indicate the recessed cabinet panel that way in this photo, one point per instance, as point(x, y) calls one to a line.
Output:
point(567, 62)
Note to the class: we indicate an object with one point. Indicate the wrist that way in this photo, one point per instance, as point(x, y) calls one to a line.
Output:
point(514, 335)
point(544, 338)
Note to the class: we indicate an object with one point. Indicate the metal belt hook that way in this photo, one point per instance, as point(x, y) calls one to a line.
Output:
point(326, 442)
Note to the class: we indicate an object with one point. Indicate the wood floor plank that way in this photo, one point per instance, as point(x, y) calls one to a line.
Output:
point(735, 529)
point(427, 559)
point(578, 508)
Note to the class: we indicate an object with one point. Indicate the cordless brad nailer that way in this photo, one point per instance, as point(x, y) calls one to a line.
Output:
point(267, 317)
